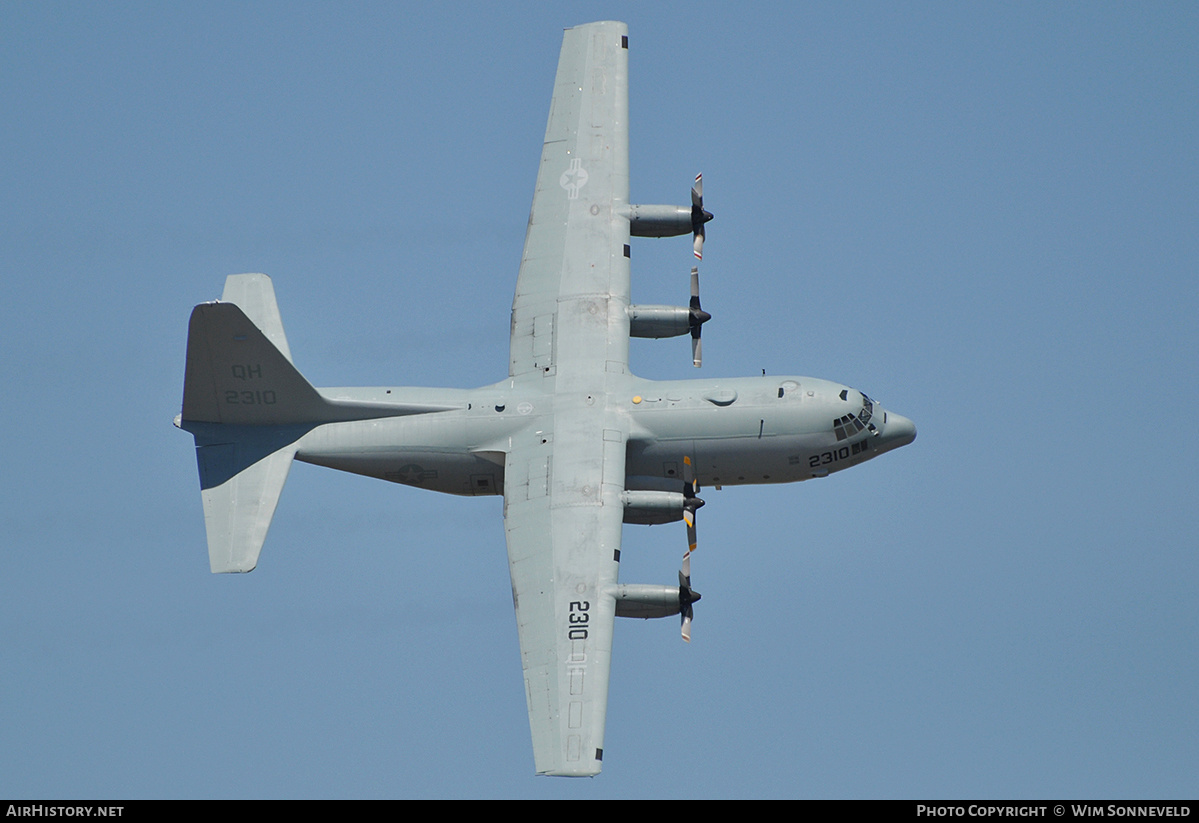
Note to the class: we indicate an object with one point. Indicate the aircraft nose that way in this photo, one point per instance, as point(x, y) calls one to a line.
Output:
point(898, 430)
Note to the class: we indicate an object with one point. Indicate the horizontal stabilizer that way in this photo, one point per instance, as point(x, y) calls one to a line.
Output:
point(238, 511)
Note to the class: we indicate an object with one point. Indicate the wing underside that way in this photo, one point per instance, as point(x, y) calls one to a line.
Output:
point(562, 559)
point(564, 473)
point(573, 286)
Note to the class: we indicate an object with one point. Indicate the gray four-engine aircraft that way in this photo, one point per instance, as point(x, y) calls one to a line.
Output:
point(575, 443)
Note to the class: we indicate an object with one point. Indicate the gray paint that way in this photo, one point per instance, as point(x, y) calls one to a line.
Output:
point(569, 439)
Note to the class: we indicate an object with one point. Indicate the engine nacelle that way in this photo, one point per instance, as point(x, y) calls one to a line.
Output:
point(659, 321)
point(659, 221)
point(648, 508)
point(645, 601)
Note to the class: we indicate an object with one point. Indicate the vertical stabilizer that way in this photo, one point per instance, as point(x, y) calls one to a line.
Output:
point(254, 294)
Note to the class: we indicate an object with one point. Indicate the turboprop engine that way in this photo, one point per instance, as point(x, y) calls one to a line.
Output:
point(648, 508)
point(646, 600)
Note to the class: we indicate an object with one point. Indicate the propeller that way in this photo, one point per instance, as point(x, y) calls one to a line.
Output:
point(697, 319)
point(688, 595)
point(698, 216)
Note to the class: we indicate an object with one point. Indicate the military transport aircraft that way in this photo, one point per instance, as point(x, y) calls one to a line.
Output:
point(575, 443)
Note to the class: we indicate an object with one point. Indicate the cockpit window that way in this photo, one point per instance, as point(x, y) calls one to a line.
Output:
point(847, 426)
point(850, 424)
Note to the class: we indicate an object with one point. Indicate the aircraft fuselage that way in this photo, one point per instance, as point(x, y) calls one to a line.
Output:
point(737, 431)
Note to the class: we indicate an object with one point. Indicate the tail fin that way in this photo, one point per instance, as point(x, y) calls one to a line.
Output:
point(255, 295)
point(236, 375)
point(239, 370)
point(248, 407)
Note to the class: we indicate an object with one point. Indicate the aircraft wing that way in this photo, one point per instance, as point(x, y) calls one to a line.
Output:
point(575, 268)
point(563, 541)
point(564, 473)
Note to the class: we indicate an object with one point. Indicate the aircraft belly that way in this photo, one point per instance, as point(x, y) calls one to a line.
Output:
point(442, 471)
point(445, 453)
point(727, 461)
point(745, 460)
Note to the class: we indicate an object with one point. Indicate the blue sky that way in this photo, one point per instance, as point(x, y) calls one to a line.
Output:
point(983, 215)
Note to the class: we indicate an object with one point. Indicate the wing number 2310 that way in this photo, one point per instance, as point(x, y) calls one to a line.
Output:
point(577, 619)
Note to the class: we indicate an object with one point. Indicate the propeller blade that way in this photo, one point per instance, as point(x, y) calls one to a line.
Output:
point(698, 318)
point(689, 519)
point(690, 486)
point(687, 595)
point(698, 216)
